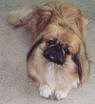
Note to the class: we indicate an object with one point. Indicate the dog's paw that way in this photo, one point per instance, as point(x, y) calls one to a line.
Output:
point(60, 94)
point(46, 91)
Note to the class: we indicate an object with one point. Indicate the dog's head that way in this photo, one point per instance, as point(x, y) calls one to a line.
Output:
point(59, 34)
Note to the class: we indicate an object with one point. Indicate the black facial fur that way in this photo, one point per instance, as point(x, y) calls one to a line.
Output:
point(55, 52)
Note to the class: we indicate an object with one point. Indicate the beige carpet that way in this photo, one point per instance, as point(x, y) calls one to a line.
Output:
point(15, 87)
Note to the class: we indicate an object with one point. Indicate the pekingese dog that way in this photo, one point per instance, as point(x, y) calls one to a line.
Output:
point(57, 61)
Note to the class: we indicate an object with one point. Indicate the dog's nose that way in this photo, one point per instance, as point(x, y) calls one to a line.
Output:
point(55, 53)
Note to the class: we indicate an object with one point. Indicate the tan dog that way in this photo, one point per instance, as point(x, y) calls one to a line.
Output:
point(58, 60)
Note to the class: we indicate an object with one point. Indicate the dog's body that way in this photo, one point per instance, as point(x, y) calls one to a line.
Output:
point(66, 25)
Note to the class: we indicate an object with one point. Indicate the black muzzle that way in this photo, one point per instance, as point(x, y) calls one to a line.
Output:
point(55, 52)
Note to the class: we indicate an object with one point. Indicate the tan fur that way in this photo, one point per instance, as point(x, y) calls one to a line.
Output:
point(67, 24)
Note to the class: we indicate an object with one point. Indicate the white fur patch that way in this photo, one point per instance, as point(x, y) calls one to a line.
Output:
point(46, 91)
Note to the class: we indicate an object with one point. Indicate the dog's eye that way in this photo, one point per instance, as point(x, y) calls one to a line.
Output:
point(51, 42)
point(66, 48)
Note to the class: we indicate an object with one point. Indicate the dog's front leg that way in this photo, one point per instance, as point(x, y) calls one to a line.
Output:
point(62, 87)
point(47, 88)
point(62, 90)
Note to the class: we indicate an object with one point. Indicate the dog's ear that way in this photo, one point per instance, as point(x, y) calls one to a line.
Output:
point(35, 43)
point(39, 20)
point(85, 63)
point(81, 23)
